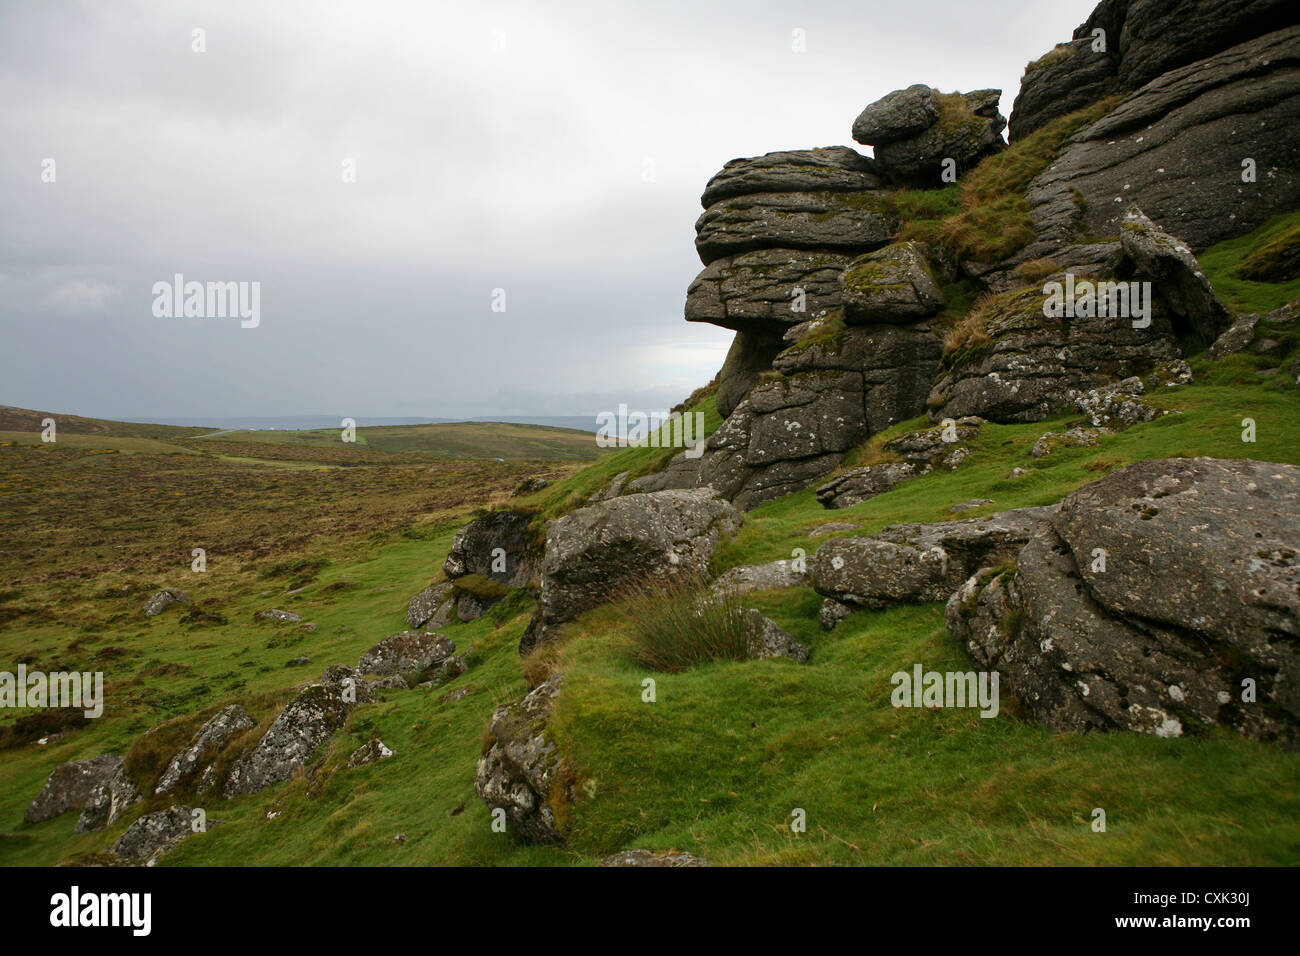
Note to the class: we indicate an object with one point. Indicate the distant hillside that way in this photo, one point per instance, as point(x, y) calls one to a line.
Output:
point(388, 444)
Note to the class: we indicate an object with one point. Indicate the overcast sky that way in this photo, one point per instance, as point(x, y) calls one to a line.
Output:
point(553, 150)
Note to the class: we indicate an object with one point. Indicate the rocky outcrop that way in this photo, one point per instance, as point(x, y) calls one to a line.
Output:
point(916, 453)
point(832, 389)
point(1090, 633)
point(203, 748)
point(488, 556)
point(495, 546)
point(110, 799)
point(1068, 78)
point(518, 769)
point(1025, 365)
point(595, 552)
point(1179, 144)
point(1152, 37)
point(297, 733)
point(913, 131)
point(767, 291)
point(825, 169)
point(154, 834)
point(1172, 267)
point(914, 563)
point(432, 606)
point(750, 355)
point(70, 787)
point(891, 285)
point(406, 653)
point(830, 221)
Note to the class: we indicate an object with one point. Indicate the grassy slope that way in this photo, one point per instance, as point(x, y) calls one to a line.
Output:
point(719, 761)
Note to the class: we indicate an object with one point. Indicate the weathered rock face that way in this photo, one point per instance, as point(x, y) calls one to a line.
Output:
point(891, 285)
point(832, 221)
point(495, 546)
point(215, 733)
point(70, 787)
point(760, 577)
point(431, 606)
point(919, 453)
point(517, 771)
point(594, 552)
point(154, 834)
point(1070, 77)
point(1178, 144)
point(964, 127)
point(825, 169)
point(1090, 631)
point(750, 355)
point(405, 653)
point(1029, 364)
point(306, 722)
point(757, 291)
point(834, 390)
point(1155, 36)
point(914, 563)
point(1171, 265)
point(111, 798)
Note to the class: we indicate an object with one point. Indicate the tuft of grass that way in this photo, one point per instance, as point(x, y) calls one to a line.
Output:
point(995, 220)
point(679, 624)
point(972, 331)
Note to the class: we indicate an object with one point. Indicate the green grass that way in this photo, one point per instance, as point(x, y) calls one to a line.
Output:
point(1224, 263)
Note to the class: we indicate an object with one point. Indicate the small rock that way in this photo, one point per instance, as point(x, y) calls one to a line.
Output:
point(1239, 335)
point(647, 858)
point(767, 640)
point(832, 527)
point(163, 600)
point(760, 577)
point(154, 834)
point(369, 753)
point(970, 505)
point(297, 662)
point(275, 614)
point(831, 613)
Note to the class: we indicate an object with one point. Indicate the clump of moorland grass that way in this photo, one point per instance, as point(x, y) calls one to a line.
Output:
point(679, 623)
point(972, 331)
